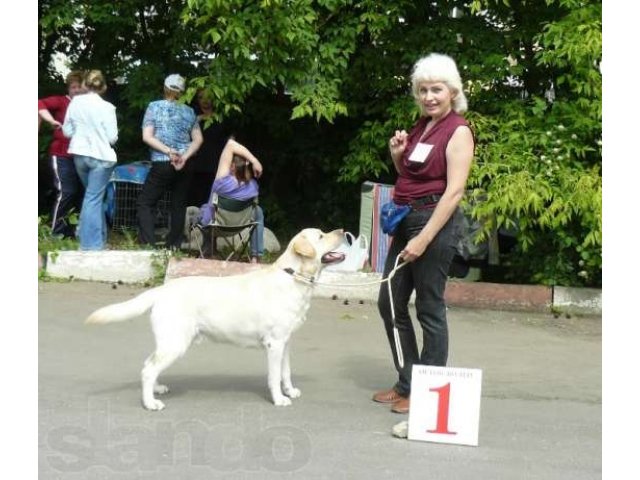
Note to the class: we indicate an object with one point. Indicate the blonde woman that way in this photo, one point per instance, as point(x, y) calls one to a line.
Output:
point(91, 125)
point(433, 161)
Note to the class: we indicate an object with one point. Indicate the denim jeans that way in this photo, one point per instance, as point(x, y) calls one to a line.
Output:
point(427, 275)
point(94, 175)
point(257, 236)
point(68, 195)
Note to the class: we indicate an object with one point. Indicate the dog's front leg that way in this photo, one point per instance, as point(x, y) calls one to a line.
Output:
point(287, 387)
point(275, 351)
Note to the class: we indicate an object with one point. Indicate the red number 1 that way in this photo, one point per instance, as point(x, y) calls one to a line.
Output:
point(443, 410)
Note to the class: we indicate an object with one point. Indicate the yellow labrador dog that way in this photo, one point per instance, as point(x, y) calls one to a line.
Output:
point(217, 308)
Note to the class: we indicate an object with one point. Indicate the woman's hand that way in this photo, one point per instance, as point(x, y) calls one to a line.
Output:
point(257, 168)
point(177, 160)
point(397, 144)
point(414, 248)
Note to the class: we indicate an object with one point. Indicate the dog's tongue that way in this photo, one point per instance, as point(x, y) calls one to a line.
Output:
point(332, 257)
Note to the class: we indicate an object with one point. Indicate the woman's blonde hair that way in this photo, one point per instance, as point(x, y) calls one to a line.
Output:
point(94, 81)
point(76, 76)
point(437, 67)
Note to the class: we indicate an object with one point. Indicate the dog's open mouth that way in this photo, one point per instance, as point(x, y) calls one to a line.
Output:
point(332, 257)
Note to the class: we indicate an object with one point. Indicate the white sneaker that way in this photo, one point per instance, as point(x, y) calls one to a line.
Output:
point(401, 429)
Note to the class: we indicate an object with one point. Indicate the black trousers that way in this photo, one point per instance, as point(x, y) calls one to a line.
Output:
point(162, 177)
point(69, 194)
point(427, 275)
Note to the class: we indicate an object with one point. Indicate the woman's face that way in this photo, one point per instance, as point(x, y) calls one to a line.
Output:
point(204, 102)
point(435, 98)
point(75, 88)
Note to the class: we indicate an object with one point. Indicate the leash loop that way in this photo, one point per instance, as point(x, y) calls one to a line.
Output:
point(396, 266)
point(396, 334)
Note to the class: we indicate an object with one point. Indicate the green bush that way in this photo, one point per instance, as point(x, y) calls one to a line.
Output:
point(531, 178)
point(48, 242)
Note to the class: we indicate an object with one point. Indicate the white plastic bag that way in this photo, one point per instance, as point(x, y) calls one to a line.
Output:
point(356, 251)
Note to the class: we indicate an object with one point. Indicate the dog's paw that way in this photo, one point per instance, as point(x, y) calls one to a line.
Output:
point(154, 405)
point(282, 401)
point(160, 389)
point(292, 392)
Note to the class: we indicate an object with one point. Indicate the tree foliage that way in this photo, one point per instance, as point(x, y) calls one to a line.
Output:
point(540, 162)
point(532, 73)
point(319, 85)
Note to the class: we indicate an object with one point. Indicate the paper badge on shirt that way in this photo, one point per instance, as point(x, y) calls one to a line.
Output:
point(420, 153)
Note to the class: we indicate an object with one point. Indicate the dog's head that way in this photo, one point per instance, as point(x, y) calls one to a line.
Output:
point(311, 249)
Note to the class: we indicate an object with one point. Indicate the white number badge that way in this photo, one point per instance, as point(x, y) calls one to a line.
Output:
point(420, 153)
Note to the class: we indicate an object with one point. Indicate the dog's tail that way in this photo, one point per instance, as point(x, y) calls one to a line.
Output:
point(119, 312)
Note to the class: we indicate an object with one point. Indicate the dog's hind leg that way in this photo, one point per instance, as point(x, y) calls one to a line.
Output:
point(153, 366)
point(172, 341)
point(275, 352)
point(287, 387)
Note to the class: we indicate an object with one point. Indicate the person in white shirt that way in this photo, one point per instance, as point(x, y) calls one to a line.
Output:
point(91, 125)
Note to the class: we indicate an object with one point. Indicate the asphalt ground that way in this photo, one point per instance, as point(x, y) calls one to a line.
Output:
point(540, 412)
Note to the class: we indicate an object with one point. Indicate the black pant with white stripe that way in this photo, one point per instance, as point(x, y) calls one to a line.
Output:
point(69, 193)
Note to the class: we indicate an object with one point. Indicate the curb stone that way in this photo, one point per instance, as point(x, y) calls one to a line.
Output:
point(577, 300)
point(365, 286)
point(127, 266)
point(135, 266)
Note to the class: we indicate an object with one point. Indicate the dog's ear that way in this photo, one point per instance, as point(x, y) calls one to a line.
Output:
point(303, 247)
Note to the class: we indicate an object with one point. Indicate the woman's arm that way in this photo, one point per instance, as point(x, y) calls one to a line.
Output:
point(148, 137)
point(459, 158)
point(234, 148)
point(111, 125)
point(224, 164)
point(397, 146)
point(45, 106)
point(196, 142)
point(179, 160)
point(45, 115)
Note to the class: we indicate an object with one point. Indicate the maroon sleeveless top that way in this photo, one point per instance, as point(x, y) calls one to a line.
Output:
point(416, 179)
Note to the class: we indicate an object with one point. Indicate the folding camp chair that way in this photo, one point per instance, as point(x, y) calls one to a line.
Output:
point(233, 219)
